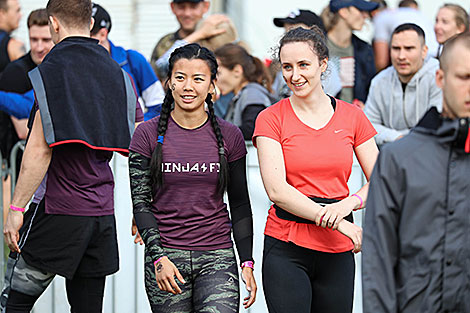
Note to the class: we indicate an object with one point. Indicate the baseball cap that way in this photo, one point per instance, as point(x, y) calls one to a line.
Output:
point(361, 5)
point(306, 17)
point(102, 18)
point(194, 1)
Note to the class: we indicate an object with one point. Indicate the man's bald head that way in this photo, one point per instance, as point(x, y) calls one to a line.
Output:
point(461, 40)
point(454, 77)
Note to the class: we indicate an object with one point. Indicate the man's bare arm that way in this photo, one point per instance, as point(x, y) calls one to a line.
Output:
point(21, 127)
point(381, 54)
point(15, 49)
point(36, 160)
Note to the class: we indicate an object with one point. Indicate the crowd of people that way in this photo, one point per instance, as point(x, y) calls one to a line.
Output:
point(183, 119)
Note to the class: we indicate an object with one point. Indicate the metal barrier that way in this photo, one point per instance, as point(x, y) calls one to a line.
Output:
point(3, 175)
point(5, 171)
point(125, 290)
point(19, 146)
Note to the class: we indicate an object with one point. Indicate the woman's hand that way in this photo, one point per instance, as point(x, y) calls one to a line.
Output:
point(249, 280)
point(165, 272)
point(336, 212)
point(352, 231)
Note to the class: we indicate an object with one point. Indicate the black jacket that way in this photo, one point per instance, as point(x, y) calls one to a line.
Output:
point(364, 68)
point(416, 251)
point(14, 79)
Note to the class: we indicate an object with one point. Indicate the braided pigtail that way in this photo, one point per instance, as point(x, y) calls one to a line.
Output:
point(156, 161)
point(222, 181)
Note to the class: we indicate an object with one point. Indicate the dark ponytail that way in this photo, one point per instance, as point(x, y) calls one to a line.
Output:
point(254, 69)
point(261, 74)
point(189, 52)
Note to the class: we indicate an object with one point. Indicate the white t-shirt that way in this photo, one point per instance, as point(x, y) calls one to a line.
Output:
point(386, 21)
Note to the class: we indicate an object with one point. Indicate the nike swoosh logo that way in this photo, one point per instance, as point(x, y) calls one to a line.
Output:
point(338, 131)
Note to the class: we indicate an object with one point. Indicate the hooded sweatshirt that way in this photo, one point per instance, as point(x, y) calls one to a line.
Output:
point(393, 112)
point(238, 113)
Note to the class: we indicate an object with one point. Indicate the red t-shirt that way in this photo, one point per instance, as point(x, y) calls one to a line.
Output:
point(318, 163)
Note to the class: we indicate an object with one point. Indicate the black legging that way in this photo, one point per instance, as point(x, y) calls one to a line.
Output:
point(85, 295)
point(301, 280)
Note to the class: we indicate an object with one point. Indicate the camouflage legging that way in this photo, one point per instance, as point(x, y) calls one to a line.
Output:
point(211, 282)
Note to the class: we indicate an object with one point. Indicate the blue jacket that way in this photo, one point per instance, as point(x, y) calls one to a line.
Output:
point(146, 83)
point(18, 105)
point(364, 69)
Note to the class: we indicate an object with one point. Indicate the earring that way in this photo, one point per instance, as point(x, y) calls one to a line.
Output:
point(173, 87)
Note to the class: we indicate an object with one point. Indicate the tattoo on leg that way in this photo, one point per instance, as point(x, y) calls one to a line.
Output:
point(159, 267)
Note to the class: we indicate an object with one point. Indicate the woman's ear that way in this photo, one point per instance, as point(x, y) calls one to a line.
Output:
point(237, 70)
point(324, 64)
point(166, 85)
point(213, 88)
point(344, 12)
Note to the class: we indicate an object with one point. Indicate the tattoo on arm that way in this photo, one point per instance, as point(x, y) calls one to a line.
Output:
point(159, 267)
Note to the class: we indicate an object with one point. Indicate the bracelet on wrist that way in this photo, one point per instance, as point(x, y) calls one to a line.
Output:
point(15, 208)
point(158, 260)
point(249, 264)
point(360, 199)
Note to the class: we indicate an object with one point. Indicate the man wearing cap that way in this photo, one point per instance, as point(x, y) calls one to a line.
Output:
point(401, 94)
point(304, 18)
point(146, 83)
point(353, 56)
point(188, 13)
point(416, 252)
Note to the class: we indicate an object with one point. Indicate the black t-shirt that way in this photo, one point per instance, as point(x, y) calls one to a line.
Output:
point(4, 58)
point(14, 79)
point(15, 76)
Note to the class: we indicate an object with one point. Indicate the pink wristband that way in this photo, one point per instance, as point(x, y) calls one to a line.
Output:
point(360, 199)
point(249, 264)
point(158, 260)
point(15, 208)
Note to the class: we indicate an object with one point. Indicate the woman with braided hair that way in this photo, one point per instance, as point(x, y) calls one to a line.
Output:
point(180, 165)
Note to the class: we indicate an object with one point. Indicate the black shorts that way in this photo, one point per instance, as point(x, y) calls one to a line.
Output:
point(68, 245)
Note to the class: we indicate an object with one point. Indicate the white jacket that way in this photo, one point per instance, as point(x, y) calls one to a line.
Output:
point(392, 112)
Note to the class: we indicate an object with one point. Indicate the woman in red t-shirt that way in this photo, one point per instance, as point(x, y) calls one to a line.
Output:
point(305, 149)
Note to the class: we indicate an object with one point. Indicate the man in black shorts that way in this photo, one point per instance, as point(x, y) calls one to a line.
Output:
point(86, 108)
